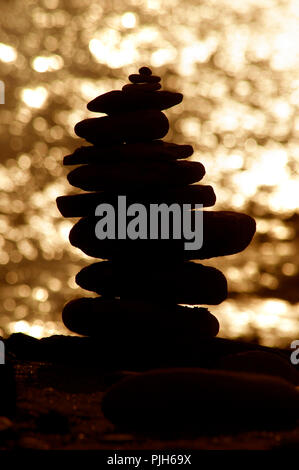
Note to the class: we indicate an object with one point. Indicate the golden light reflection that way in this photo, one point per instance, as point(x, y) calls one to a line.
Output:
point(7, 53)
point(236, 63)
point(163, 56)
point(289, 269)
point(47, 64)
point(34, 97)
point(128, 20)
point(40, 294)
point(276, 319)
point(113, 51)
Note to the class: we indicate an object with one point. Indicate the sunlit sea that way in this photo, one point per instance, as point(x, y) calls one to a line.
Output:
point(237, 64)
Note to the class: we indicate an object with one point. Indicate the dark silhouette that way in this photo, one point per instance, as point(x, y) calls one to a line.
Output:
point(137, 321)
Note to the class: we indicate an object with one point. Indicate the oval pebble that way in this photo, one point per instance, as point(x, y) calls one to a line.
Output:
point(145, 71)
point(142, 78)
point(127, 175)
point(141, 88)
point(139, 323)
point(224, 233)
point(200, 400)
point(152, 150)
point(117, 101)
point(126, 127)
point(81, 205)
point(187, 283)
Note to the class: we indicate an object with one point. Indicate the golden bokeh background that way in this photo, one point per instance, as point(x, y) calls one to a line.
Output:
point(237, 64)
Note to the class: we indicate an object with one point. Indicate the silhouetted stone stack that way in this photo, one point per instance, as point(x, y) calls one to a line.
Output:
point(137, 317)
point(137, 323)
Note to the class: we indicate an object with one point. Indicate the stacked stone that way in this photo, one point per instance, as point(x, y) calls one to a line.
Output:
point(141, 282)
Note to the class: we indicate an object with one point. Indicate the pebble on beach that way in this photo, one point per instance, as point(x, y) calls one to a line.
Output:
point(201, 400)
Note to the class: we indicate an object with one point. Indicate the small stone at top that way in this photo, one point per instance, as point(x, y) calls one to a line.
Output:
point(145, 71)
point(136, 78)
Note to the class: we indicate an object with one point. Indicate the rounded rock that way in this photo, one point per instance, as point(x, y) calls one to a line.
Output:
point(145, 71)
point(205, 401)
point(81, 205)
point(184, 283)
point(139, 323)
point(141, 87)
point(224, 233)
point(128, 127)
point(135, 78)
point(118, 101)
point(127, 175)
point(156, 149)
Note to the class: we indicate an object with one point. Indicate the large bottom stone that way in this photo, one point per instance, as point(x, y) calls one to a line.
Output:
point(139, 325)
point(200, 400)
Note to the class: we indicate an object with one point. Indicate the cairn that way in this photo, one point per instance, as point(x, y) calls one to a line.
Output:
point(142, 282)
point(137, 321)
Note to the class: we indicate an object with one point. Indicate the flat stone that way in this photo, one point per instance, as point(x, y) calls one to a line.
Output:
point(224, 233)
point(182, 283)
point(261, 362)
point(81, 205)
point(204, 401)
point(119, 101)
point(156, 149)
point(144, 78)
point(126, 174)
point(135, 126)
point(142, 87)
point(138, 323)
